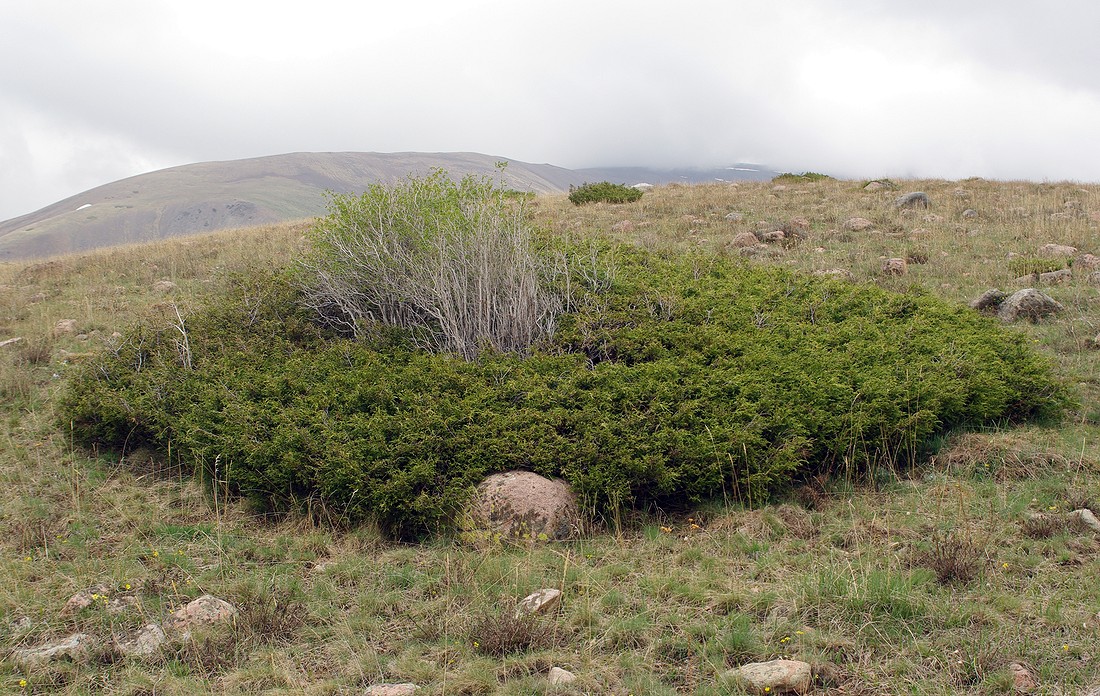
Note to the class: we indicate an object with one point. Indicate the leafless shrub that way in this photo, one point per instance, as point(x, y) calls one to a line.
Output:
point(454, 263)
point(954, 558)
point(507, 633)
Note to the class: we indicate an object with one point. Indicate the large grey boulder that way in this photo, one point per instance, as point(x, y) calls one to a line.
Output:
point(774, 677)
point(1028, 303)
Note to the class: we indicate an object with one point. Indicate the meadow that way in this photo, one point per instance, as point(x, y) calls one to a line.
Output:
point(934, 579)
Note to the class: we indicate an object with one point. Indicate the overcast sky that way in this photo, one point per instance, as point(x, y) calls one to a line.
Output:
point(94, 91)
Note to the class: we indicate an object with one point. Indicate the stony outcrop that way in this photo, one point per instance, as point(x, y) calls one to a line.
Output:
point(1028, 303)
point(916, 199)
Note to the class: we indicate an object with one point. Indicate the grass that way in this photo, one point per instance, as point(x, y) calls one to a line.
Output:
point(928, 581)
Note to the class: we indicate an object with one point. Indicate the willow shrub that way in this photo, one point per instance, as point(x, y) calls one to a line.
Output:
point(684, 379)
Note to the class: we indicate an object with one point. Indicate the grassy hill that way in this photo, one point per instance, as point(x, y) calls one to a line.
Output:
point(934, 580)
point(210, 196)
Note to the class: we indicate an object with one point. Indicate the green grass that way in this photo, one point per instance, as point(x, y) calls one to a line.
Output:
point(837, 573)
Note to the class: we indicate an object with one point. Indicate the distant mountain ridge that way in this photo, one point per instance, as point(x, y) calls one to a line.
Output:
point(209, 196)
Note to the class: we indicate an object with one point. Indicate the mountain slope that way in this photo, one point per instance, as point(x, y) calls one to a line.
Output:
point(210, 196)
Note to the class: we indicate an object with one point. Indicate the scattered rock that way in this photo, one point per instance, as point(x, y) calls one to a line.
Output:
point(932, 217)
point(1057, 250)
point(76, 648)
point(873, 186)
point(1085, 518)
point(146, 641)
point(1087, 262)
point(775, 236)
point(207, 610)
point(1056, 277)
point(916, 199)
point(406, 689)
point(543, 601)
point(970, 213)
point(1023, 679)
point(11, 341)
point(775, 677)
point(744, 240)
point(857, 224)
point(735, 217)
point(65, 326)
point(895, 266)
point(164, 287)
point(561, 676)
point(1028, 303)
point(989, 301)
point(524, 505)
point(86, 598)
point(839, 273)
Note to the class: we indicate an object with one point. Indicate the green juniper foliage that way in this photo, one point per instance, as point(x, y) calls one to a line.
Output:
point(679, 379)
point(603, 192)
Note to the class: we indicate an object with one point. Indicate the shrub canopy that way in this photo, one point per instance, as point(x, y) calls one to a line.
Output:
point(603, 192)
point(672, 380)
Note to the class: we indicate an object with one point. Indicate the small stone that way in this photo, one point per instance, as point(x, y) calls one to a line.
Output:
point(1056, 277)
point(1057, 250)
point(1087, 262)
point(932, 217)
point(916, 199)
point(1085, 518)
point(857, 224)
point(989, 300)
point(146, 641)
point(1023, 679)
point(895, 266)
point(65, 326)
point(1093, 278)
point(838, 273)
point(775, 677)
point(970, 213)
point(11, 341)
point(207, 610)
point(735, 217)
point(405, 689)
point(745, 239)
point(561, 676)
point(542, 601)
point(85, 598)
point(76, 648)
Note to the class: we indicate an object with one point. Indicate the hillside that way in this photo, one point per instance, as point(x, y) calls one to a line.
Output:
point(971, 571)
point(210, 196)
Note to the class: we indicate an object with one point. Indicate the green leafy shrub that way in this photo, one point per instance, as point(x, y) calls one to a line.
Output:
point(681, 379)
point(603, 192)
point(1030, 265)
point(789, 178)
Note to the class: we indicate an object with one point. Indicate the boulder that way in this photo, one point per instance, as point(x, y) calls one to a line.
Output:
point(989, 301)
point(75, 648)
point(1087, 262)
point(521, 505)
point(1028, 303)
point(873, 186)
point(896, 266)
point(745, 240)
point(207, 610)
point(916, 199)
point(970, 213)
point(1057, 250)
point(543, 601)
point(857, 224)
point(1093, 278)
point(164, 287)
point(86, 598)
point(735, 217)
point(775, 676)
point(146, 641)
point(642, 186)
point(775, 236)
point(65, 326)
